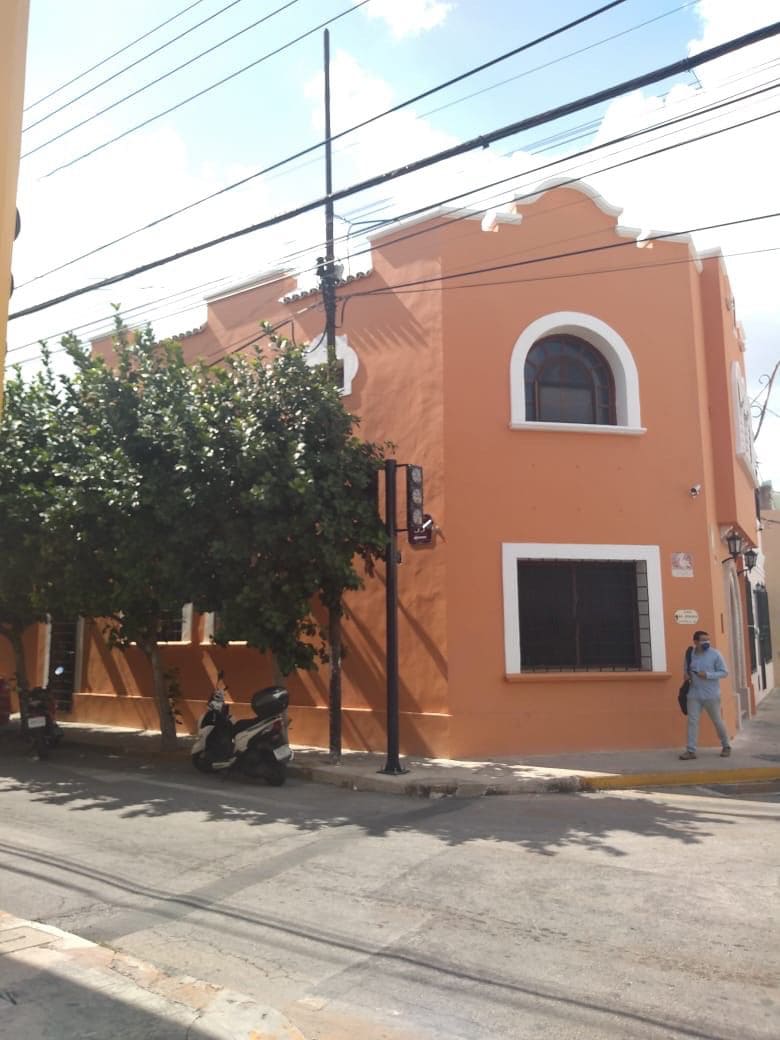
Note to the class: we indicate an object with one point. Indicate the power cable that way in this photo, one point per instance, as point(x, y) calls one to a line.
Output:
point(151, 83)
point(470, 285)
point(115, 54)
point(556, 61)
point(482, 141)
point(565, 256)
point(558, 138)
point(343, 133)
point(206, 90)
point(467, 212)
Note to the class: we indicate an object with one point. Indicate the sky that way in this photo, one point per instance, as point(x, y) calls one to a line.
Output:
point(382, 52)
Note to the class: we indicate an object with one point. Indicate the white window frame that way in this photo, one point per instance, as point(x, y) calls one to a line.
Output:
point(514, 552)
point(187, 612)
point(317, 354)
point(78, 663)
point(209, 624)
point(615, 352)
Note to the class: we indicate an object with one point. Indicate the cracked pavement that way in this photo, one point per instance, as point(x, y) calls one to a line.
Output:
point(595, 917)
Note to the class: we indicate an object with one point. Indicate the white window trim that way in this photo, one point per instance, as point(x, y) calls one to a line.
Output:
point(78, 663)
point(512, 552)
point(608, 342)
point(209, 624)
point(317, 354)
point(187, 612)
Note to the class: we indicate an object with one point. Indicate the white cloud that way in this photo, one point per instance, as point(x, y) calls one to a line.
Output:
point(409, 17)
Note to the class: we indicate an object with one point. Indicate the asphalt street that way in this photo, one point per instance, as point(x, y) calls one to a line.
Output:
point(562, 917)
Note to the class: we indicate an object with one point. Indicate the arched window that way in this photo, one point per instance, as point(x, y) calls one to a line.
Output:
point(568, 381)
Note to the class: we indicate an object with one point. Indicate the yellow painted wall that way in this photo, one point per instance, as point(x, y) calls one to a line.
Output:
point(13, 52)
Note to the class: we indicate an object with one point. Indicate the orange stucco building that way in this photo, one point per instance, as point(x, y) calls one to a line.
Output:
point(586, 443)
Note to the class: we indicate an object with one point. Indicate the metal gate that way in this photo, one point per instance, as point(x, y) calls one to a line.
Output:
point(63, 648)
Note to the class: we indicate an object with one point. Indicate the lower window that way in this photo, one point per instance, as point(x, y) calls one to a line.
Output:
point(584, 615)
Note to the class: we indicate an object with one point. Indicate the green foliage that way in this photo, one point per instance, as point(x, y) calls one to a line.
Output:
point(133, 487)
point(300, 504)
point(33, 449)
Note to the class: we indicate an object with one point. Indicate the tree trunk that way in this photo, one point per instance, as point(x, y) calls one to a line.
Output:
point(15, 636)
point(168, 740)
point(278, 674)
point(334, 639)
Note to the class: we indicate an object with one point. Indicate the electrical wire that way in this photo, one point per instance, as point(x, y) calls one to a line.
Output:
point(206, 90)
point(481, 141)
point(151, 83)
point(115, 54)
point(609, 246)
point(343, 133)
point(221, 352)
point(467, 213)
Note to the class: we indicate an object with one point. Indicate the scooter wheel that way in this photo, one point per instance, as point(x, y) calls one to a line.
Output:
point(274, 773)
point(276, 776)
point(40, 748)
point(202, 763)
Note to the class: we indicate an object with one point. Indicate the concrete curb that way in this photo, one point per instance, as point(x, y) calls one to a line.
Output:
point(415, 786)
point(674, 778)
point(216, 1013)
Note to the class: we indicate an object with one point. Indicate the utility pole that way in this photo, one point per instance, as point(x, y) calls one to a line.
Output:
point(326, 270)
point(327, 276)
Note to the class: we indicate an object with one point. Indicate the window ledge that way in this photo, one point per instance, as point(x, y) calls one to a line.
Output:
point(556, 427)
point(571, 677)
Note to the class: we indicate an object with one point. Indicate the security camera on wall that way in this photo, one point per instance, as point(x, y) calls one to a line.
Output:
point(695, 490)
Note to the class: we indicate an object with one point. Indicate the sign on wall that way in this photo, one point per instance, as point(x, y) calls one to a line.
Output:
point(682, 565)
point(686, 617)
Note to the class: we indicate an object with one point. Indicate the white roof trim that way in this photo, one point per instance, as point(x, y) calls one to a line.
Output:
point(278, 274)
point(565, 182)
point(658, 236)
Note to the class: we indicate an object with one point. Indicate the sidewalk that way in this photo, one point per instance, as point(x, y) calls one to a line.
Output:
point(57, 985)
point(755, 757)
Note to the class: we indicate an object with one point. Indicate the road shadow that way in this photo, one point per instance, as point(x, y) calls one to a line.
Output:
point(541, 824)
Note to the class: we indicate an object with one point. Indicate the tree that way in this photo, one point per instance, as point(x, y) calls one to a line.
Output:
point(137, 507)
point(302, 510)
point(31, 439)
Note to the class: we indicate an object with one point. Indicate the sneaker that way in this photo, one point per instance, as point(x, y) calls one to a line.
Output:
point(687, 755)
point(725, 752)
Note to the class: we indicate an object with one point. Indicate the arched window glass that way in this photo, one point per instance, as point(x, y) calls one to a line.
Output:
point(568, 381)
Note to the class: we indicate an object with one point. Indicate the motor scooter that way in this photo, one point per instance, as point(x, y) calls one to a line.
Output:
point(258, 747)
point(38, 716)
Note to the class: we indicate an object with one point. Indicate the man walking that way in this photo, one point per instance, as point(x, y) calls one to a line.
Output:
point(705, 671)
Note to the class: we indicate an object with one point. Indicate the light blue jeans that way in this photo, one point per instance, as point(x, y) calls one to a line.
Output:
point(712, 706)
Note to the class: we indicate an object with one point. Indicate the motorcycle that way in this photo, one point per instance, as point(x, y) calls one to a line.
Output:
point(258, 747)
point(39, 724)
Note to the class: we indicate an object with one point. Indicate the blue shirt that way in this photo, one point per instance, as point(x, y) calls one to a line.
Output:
point(714, 667)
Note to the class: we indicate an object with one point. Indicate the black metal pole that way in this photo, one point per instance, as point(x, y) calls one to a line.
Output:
point(392, 764)
point(328, 286)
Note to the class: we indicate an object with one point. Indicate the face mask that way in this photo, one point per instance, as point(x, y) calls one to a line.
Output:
point(704, 646)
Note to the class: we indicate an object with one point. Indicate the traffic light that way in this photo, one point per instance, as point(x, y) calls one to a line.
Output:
point(419, 526)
